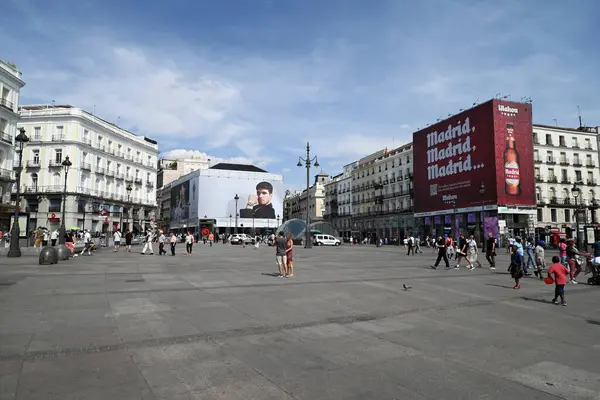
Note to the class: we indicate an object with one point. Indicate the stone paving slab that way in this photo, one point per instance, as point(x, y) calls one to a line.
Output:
point(219, 325)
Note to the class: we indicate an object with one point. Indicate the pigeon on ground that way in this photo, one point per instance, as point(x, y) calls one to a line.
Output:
point(406, 287)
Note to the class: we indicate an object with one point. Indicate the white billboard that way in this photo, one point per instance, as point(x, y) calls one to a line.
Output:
point(259, 197)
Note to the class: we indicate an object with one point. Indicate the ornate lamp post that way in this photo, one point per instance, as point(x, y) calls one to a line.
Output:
point(129, 189)
point(237, 214)
point(482, 192)
point(15, 249)
point(307, 163)
point(62, 230)
point(576, 193)
point(229, 230)
point(278, 217)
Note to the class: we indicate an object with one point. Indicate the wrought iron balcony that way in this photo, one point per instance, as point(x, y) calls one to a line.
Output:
point(55, 164)
point(36, 138)
point(149, 183)
point(551, 160)
point(86, 166)
point(564, 161)
point(58, 138)
point(5, 137)
point(99, 170)
point(7, 174)
point(577, 163)
point(553, 179)
point(6, 104)
point(119, 175)
point(138, 181)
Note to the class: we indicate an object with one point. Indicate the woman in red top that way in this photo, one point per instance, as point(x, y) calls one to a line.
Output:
point(289, 247)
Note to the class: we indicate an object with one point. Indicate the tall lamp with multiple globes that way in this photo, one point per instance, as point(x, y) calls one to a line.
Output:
point(62, 230)
point(482, 192)
point(236, 198)
point(307, 162)
point(576, 193)
point(15, 249)
point(129, 189)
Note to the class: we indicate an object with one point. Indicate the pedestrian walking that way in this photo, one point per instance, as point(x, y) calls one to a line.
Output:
point(173, 242)
point(441, 246)
point(490, 250)
point(529, 246)
point(463, 252)
point(562, 251)
point(418, 245)
point(189, 242)
point(540, 261)
point(128, 240)
point(117, 240)
point(473, 252)
point(521, 252)
point(280, 251)
point(573, 261)
point(516, 266)
point(87, 240)
point(211, 239)
point(148, 243)
point(45, 237)
point(559, 273)
point(161, 243)
point(289, 250)
point(54, 237)
point(411, 243)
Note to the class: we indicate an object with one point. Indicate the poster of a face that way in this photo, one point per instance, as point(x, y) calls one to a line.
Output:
point(180, 201)
point(259, 198)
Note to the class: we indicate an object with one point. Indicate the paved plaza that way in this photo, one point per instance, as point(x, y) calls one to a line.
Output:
point(220, 325)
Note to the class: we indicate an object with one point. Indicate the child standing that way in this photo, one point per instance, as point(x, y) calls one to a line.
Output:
point(516, 266)
point(560, 273)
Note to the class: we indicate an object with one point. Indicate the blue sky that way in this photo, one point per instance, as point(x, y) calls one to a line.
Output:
point(254, 80)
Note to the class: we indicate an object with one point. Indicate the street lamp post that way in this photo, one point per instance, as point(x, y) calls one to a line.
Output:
point(278, 221)
point(237, 214)
point(229, 230)
point(15, 248)
point(62, 230)
point(482, 192)
point(576, 192)
point(129, 189)
point(307, 163)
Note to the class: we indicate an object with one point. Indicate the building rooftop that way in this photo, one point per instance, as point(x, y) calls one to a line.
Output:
point(50, 108)
point(581, 129)
point(237, 167)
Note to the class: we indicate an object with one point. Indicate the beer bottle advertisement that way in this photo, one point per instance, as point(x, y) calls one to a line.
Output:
point(514, 153)
point(512, 175)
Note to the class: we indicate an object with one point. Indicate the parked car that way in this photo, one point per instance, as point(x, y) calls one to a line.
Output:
point(325, 240)
point(240, 238)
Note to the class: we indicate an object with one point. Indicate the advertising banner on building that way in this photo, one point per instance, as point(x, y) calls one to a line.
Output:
point(214, 197)
point(488, 147)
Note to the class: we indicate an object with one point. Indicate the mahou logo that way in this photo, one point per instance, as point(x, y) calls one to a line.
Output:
point(507, 109)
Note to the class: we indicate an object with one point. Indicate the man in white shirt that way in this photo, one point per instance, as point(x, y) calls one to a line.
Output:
point(54, 237)
point(161, 244)
point(87, 240)
point(148, 243)
point(117, 240)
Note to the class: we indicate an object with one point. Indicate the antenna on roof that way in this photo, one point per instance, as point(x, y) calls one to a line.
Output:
point(53, 103)
point(555, 121)
point(497, 95)
point(506, 97)
point(579, 114)
point(476, 102)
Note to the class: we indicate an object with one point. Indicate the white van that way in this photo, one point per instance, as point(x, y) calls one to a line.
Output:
point(325, 240)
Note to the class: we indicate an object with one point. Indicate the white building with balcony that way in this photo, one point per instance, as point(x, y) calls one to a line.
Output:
point(10, 86)
point(112, 180)
point(295, 203)
point(565, 158)
point(382, 195)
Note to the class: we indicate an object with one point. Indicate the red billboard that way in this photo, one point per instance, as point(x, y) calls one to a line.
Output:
point(488, 146)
